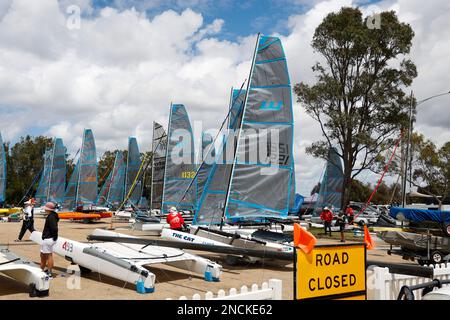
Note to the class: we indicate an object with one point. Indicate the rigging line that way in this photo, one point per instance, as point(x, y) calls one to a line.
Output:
point(212, 144)
point(382, 176)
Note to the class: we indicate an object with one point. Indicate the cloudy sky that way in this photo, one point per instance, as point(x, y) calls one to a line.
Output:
point(119, 69)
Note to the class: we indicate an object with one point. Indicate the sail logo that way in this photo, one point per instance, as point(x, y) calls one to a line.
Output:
point(265, 105)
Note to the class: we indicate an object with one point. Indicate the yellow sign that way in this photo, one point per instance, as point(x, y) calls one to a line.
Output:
point(331, 272)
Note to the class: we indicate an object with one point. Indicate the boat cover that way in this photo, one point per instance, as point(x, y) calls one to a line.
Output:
point(419, 215)
point(415, 241)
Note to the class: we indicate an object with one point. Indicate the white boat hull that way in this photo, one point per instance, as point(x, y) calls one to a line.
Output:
point(23, 271)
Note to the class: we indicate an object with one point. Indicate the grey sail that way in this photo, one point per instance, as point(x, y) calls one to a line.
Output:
point(214, 176)
point(180, 162)
point(330, 193)
point(159, 147)
point(261, 177)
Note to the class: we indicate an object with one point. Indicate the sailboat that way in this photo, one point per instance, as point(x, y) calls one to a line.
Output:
point(159, 150)
point(112, 192)
point(133, 178)
point(170, 176)
point(254, 183)
point(81, 191)
point(330, 193)
point(53, 178)
point(179, 171)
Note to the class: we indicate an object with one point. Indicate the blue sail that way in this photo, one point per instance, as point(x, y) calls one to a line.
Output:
point(88, 171)
point(58, 172)
point(263, 160)
point(102, 197)
point(214, 176)
point(330, 193)
point(71, 189)
point(117, 185)
point(133, 165)
point(2, 171)
point(41, 195)
point(83, 184)
point(180, 163)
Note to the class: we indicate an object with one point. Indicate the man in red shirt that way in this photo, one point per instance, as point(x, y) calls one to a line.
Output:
point(350, 214)
point(175, 219)
point(327, 216)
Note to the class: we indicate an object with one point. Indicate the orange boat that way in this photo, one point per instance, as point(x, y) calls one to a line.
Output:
point(79, 215)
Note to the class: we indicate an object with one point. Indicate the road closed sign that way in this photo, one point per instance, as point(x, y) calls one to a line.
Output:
point(331, 272)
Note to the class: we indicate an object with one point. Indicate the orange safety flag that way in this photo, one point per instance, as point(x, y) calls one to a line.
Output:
point(370, 244)
point(303, 239)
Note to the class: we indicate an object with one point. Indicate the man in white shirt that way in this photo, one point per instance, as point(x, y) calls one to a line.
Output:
point(28, 219)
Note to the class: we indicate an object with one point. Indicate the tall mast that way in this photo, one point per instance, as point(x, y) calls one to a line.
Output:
point(153, 165)
point(239, 134)
point(167, 151)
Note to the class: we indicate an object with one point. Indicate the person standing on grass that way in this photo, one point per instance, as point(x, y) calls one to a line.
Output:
point(27, 219)
point(326, 216)
point(350, 214)
point(341, 222)
point(49, 237)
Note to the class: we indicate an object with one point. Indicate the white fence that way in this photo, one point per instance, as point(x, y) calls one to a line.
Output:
point(382, 285)
point(271, 290)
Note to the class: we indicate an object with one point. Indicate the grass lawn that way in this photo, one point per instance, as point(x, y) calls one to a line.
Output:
point(335, 235)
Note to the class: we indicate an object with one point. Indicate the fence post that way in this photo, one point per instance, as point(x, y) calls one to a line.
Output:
point(277, 287)
point(380, 283)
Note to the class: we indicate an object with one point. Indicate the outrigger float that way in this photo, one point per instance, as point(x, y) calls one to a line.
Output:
point(126, 262)
point(24, 271)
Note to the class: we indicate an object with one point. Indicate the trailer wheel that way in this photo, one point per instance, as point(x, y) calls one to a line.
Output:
point(422, 262)
point(436, 257)
point(446, 228)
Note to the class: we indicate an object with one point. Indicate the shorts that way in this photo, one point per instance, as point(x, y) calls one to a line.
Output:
point(47, 245)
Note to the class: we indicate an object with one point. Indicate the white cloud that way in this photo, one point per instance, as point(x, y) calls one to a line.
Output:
point(121, 70)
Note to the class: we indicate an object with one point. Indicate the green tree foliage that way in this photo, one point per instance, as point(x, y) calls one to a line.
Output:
point(359, 99)
point(430, 166)
point(24, 162)
point(360, 192)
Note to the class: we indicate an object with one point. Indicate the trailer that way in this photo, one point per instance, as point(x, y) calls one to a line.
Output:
point(424, 248)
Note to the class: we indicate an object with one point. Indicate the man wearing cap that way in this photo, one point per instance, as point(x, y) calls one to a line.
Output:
point(175, 219)
point(27, 219)
point(49, 237)
point(327, 216)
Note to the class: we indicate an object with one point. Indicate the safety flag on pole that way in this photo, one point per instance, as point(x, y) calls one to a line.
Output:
point(303, 239)
point(370, 244)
